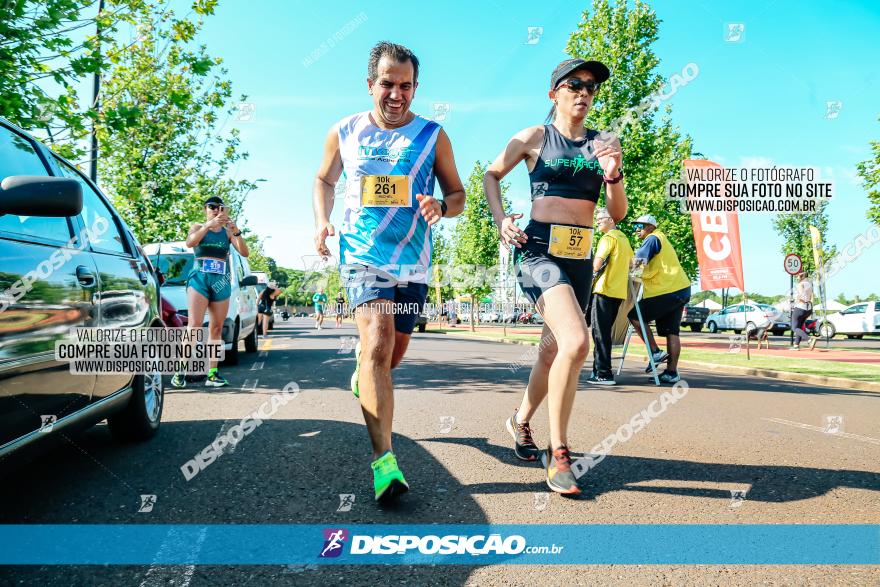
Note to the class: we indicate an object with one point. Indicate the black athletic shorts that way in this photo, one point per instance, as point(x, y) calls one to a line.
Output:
point(664, 310)
point(537, 270)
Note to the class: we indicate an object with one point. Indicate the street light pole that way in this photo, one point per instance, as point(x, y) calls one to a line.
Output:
point(96, 88)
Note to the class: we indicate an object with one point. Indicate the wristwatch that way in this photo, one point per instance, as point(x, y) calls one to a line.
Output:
point(616, 179)
point(236, 233)
point(443, 207)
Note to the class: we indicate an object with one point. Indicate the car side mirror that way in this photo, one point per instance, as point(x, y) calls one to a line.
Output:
point(36, 195)
point(250, 280)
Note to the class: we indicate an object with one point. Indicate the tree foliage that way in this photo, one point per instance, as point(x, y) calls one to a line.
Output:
point(869, 170)
point(47, 48)
point(795, 232)
point(441, 257)
point(621, 37)
point(476, 241)
point(163, 151)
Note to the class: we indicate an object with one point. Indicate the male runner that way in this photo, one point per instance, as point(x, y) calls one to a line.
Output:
point(319, 299)
point(390, 157)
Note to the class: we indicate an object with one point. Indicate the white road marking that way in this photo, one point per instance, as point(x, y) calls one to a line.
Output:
point(162, 575)
point(257, 366)
point(307, 434)
point(248, 386)
point(822, 430)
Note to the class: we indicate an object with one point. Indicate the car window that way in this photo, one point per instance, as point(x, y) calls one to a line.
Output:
point(859, 309)
point(175, 267)
point(18, 157)
point(239, 267)
point(877, 306)
point(97, 216)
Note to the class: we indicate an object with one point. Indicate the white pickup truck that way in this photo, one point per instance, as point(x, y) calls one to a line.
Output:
point(855, 321)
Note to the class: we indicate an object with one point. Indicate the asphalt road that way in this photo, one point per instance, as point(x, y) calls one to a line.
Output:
point(453, 395)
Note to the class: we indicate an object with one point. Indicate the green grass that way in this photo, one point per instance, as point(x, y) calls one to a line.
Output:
point(759, 359)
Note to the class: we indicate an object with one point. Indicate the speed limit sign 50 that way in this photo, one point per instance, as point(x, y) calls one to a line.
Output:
point(793, 264)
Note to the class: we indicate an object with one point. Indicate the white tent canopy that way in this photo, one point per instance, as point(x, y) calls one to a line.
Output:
point(817, 307)
point(711, 304)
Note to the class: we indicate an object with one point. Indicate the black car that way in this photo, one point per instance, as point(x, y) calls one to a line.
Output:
point(421, 322)
point(51, 282)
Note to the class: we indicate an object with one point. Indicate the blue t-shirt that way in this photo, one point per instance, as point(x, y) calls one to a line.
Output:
point(649, 248)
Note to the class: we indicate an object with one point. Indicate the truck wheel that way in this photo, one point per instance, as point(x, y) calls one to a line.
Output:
point(696, 327)
point(231, 357)
point(422, 327)
point(827, 330)
point(252, 341)
point(141, 417)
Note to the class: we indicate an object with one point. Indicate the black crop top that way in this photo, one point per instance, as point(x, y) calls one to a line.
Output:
point(566, 168)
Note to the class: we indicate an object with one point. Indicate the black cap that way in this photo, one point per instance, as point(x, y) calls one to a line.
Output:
point(214, 200)
point(599, 71)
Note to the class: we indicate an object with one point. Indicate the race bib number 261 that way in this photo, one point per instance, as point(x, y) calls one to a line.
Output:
point(385, 191)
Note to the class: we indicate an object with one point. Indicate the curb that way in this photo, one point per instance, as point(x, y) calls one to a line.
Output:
point(836, 382)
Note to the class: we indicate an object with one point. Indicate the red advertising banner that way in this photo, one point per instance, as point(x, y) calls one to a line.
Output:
point(716, 235)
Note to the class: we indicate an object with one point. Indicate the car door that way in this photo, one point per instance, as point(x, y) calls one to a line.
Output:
point(123, 298)
point(853, 319)
point(247, 296)
point(44, 292)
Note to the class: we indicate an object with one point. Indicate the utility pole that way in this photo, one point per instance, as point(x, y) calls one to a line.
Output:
point(96, 88)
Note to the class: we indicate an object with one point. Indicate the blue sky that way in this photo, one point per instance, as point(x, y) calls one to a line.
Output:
point(758, 101)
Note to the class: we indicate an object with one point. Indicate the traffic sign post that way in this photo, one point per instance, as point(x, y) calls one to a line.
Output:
point(792, 264)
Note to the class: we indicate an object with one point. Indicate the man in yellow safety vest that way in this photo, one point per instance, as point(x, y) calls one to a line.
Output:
point(667, 291)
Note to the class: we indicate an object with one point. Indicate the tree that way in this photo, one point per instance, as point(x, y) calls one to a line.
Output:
point(162, 151)
point(795, 232)
point(869, 170)
point(46, 49)
point(653, 150)
point(475, 241)
point(705, 295)
point(441, 258)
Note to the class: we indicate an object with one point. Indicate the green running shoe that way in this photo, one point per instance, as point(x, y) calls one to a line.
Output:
point(388, 481)
point(178, 381)
point(216, 380)
point(355, 389)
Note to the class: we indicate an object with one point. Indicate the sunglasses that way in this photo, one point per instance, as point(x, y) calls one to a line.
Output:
point(638, 226)
point(213, 207)
point(576, 84)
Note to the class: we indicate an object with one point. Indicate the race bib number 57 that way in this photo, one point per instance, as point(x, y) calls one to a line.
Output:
point(570, 242)
point(385, 191)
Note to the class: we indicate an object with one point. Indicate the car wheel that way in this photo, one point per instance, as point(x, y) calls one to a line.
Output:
point(827, 330)
point(713, 328)
point(854, 336)
point(696, 327)
point(778, 332)
point(231, 357)
point(141, 417)
point(251, 342)
point(422, 327)
point(737, 330)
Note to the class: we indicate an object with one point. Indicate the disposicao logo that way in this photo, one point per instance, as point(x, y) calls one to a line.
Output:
point(334, 540)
